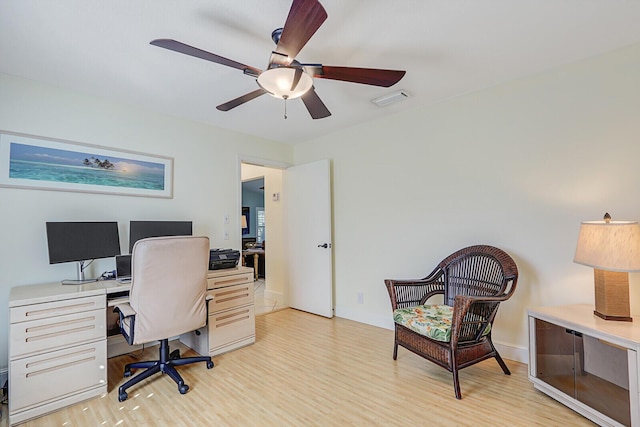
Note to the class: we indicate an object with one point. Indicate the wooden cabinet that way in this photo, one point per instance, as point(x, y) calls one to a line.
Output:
point(231, 322)
point(586, 363)
point(57, 354)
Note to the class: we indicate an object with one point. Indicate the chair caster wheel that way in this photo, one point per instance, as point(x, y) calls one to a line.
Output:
point(127, 373)
point(209, 364)
point(183, 388)
point(122, 396)
point(175, 354)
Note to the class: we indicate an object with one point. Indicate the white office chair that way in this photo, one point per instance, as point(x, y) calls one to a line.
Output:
point(167, 298)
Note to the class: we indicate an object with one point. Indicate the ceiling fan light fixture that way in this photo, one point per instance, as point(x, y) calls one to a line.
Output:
point(278, 81)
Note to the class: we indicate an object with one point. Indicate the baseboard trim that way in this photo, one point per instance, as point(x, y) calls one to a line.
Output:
point(512, 352)
point(507, 351)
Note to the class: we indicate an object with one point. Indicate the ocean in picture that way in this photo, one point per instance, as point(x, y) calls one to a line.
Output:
point(50, 164)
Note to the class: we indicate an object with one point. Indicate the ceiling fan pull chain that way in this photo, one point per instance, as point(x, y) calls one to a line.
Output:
point(285, 107)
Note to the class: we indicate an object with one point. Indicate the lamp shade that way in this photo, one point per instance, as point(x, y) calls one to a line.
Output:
point(612, 246)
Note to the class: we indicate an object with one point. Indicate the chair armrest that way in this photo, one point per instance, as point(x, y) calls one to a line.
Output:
point(411, 292)
point(472, 315)
point(125, 310)
point(127, 320)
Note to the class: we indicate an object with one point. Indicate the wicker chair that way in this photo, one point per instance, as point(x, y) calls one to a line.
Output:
point(473, 281)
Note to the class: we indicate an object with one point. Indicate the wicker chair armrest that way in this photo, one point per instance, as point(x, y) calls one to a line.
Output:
point(472, 315)
point(411, 292)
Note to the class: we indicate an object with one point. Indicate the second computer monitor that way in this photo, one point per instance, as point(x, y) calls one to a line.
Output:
point(144, 229)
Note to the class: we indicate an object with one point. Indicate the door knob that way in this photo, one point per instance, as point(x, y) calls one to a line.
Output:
point(325, 245)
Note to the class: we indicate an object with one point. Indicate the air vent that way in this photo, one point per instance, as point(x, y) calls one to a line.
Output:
point(391, 98)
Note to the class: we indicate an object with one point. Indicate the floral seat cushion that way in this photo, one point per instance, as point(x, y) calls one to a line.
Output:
point(433, 321)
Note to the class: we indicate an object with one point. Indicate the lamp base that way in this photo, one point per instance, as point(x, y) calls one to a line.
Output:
point(607, 317)
point(612, 295)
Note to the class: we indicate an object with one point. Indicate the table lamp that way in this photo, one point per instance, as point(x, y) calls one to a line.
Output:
point(612, 248)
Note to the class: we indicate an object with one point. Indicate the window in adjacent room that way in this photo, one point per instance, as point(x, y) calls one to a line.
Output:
point(260, 227)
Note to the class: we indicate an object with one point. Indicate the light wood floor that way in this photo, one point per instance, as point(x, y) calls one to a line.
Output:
point(306, 370)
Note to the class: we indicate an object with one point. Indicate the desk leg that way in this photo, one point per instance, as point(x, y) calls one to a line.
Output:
point(256, 258)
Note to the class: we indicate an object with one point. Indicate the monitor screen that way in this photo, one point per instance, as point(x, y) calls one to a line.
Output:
point(143, 229)
point(82, 241)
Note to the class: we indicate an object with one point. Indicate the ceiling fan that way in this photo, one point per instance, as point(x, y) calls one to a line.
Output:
point(285, 77)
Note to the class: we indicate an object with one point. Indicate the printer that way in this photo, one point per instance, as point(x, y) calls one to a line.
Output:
point(223, 258)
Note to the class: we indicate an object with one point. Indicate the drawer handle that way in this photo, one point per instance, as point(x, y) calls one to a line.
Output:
point(58, 324)
point(240, 319)
point(234, 291)
point(231, 298)
point(230, 281)
point(74, 307)
point(58, 367)
point(61, 357)
point(226, 316)
point(57, 334)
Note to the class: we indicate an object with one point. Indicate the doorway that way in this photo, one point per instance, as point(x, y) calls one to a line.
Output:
point(261, 206)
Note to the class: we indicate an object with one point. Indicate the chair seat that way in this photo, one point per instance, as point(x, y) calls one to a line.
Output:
point(432, 321)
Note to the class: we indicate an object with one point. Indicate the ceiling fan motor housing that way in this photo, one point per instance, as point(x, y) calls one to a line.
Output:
point(275, 35)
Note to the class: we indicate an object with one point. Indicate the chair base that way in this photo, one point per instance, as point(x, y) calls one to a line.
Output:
point(166, 364)
point(440, 353)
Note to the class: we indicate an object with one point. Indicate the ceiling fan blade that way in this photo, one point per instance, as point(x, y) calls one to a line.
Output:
point(314, 105)
point(241, 100)
point(305, 17)
point(367, 76)
point(296, 79)
point(179, 47)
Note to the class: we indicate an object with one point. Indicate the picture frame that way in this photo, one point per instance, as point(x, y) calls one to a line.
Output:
point(246, 213)
point(41, 163)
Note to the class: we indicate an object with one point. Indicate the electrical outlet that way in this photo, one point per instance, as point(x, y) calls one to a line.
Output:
point(226, 235)
point(226, 218)
point(360, 297)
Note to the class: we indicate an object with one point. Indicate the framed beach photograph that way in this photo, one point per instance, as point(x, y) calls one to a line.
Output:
point(28, 161)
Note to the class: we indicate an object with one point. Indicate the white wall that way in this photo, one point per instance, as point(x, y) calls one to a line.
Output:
point(517, 166)
point(206, 178)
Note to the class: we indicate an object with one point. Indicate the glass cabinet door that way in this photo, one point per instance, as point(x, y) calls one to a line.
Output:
point(555, 356)
point(588, 369)
point(602, 380)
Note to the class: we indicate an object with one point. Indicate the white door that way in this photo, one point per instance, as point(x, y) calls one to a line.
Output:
point(308, 195)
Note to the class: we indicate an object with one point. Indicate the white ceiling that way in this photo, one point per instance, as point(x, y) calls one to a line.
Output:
point(447, 47)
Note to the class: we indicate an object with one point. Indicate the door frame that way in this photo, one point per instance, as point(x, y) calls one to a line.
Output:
point(278, 286)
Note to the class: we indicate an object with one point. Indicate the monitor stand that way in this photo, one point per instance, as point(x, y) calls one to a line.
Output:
point(81, 280)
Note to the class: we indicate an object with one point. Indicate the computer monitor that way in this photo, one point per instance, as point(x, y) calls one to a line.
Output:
point(144, 229)
point(82, 241)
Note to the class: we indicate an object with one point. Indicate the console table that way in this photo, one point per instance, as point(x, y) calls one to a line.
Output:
point(587, 363)
point(58, 337)
point(256, 253)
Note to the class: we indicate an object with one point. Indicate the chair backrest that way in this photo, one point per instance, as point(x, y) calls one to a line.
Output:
point(483, 271)
point(168, 286)
point(479, 270)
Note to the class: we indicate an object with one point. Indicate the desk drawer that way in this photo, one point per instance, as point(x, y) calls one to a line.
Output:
point(230, 297)
point(57, 374)
point(61, 331)
point(229, 280)
point(56, 308)
point(231, 326)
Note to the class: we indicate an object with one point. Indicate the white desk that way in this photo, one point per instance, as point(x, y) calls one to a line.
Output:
point(58, 337)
